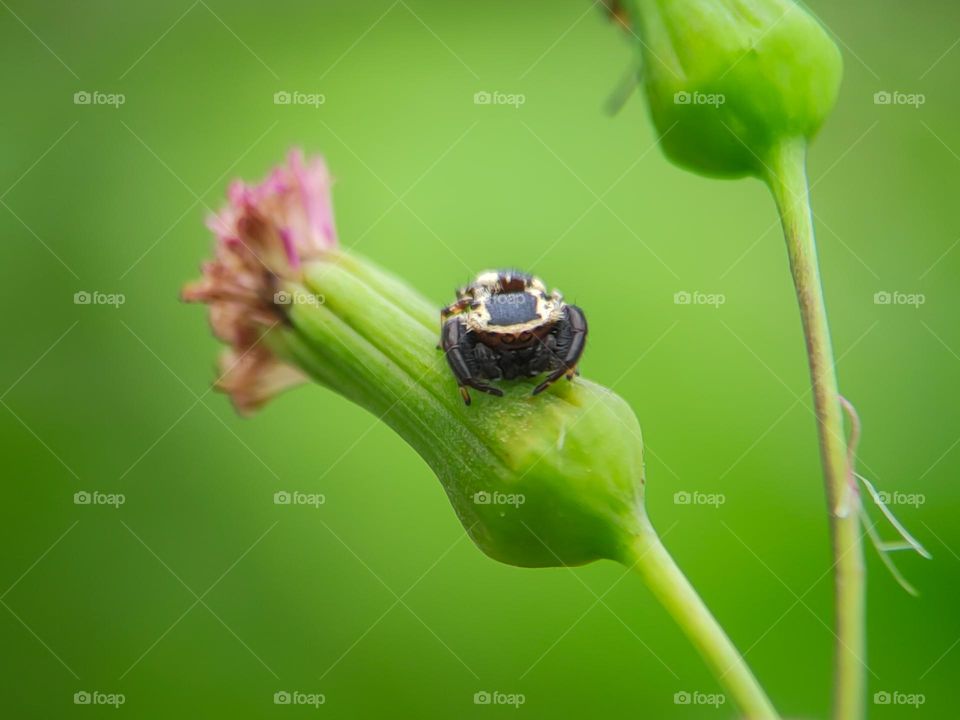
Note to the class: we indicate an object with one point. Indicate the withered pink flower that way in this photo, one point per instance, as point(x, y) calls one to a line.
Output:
point(263, 236)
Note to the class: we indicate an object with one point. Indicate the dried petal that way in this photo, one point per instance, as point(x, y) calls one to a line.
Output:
point(263, 236)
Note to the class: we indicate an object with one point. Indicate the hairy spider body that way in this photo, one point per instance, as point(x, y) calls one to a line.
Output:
point(505, 325)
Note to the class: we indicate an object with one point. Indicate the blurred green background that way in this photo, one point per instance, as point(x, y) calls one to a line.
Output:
point(201, 598)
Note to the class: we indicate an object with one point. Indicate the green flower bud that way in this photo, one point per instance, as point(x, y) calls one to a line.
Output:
point(546, 480)
point(549, 480)
point(730, 80)
point(554, 479)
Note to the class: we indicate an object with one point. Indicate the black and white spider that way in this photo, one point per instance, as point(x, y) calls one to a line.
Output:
point(505, 325)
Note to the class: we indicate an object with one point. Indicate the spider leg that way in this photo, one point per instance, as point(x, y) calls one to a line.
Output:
point(452, 341)
point(454, 309)
point(577, 327)
point(462, 303)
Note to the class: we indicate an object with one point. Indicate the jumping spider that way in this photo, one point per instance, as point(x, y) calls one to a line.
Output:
point(506, 325)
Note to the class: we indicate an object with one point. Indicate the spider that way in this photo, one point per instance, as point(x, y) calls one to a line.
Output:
point(504, 325)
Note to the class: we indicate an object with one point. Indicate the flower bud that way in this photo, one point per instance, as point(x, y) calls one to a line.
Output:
point(546, 480)
point(554, 479)
point(729, 80)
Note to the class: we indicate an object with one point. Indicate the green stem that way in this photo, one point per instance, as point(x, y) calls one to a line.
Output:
point(650, 559)
point(788, 182)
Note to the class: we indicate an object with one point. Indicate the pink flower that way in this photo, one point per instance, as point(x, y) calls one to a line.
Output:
point(263, 236)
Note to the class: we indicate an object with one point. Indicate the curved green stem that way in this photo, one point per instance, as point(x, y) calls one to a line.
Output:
point(787, 179)
point(648, 557)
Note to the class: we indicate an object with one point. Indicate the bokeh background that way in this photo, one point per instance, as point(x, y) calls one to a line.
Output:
point(200, 597)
